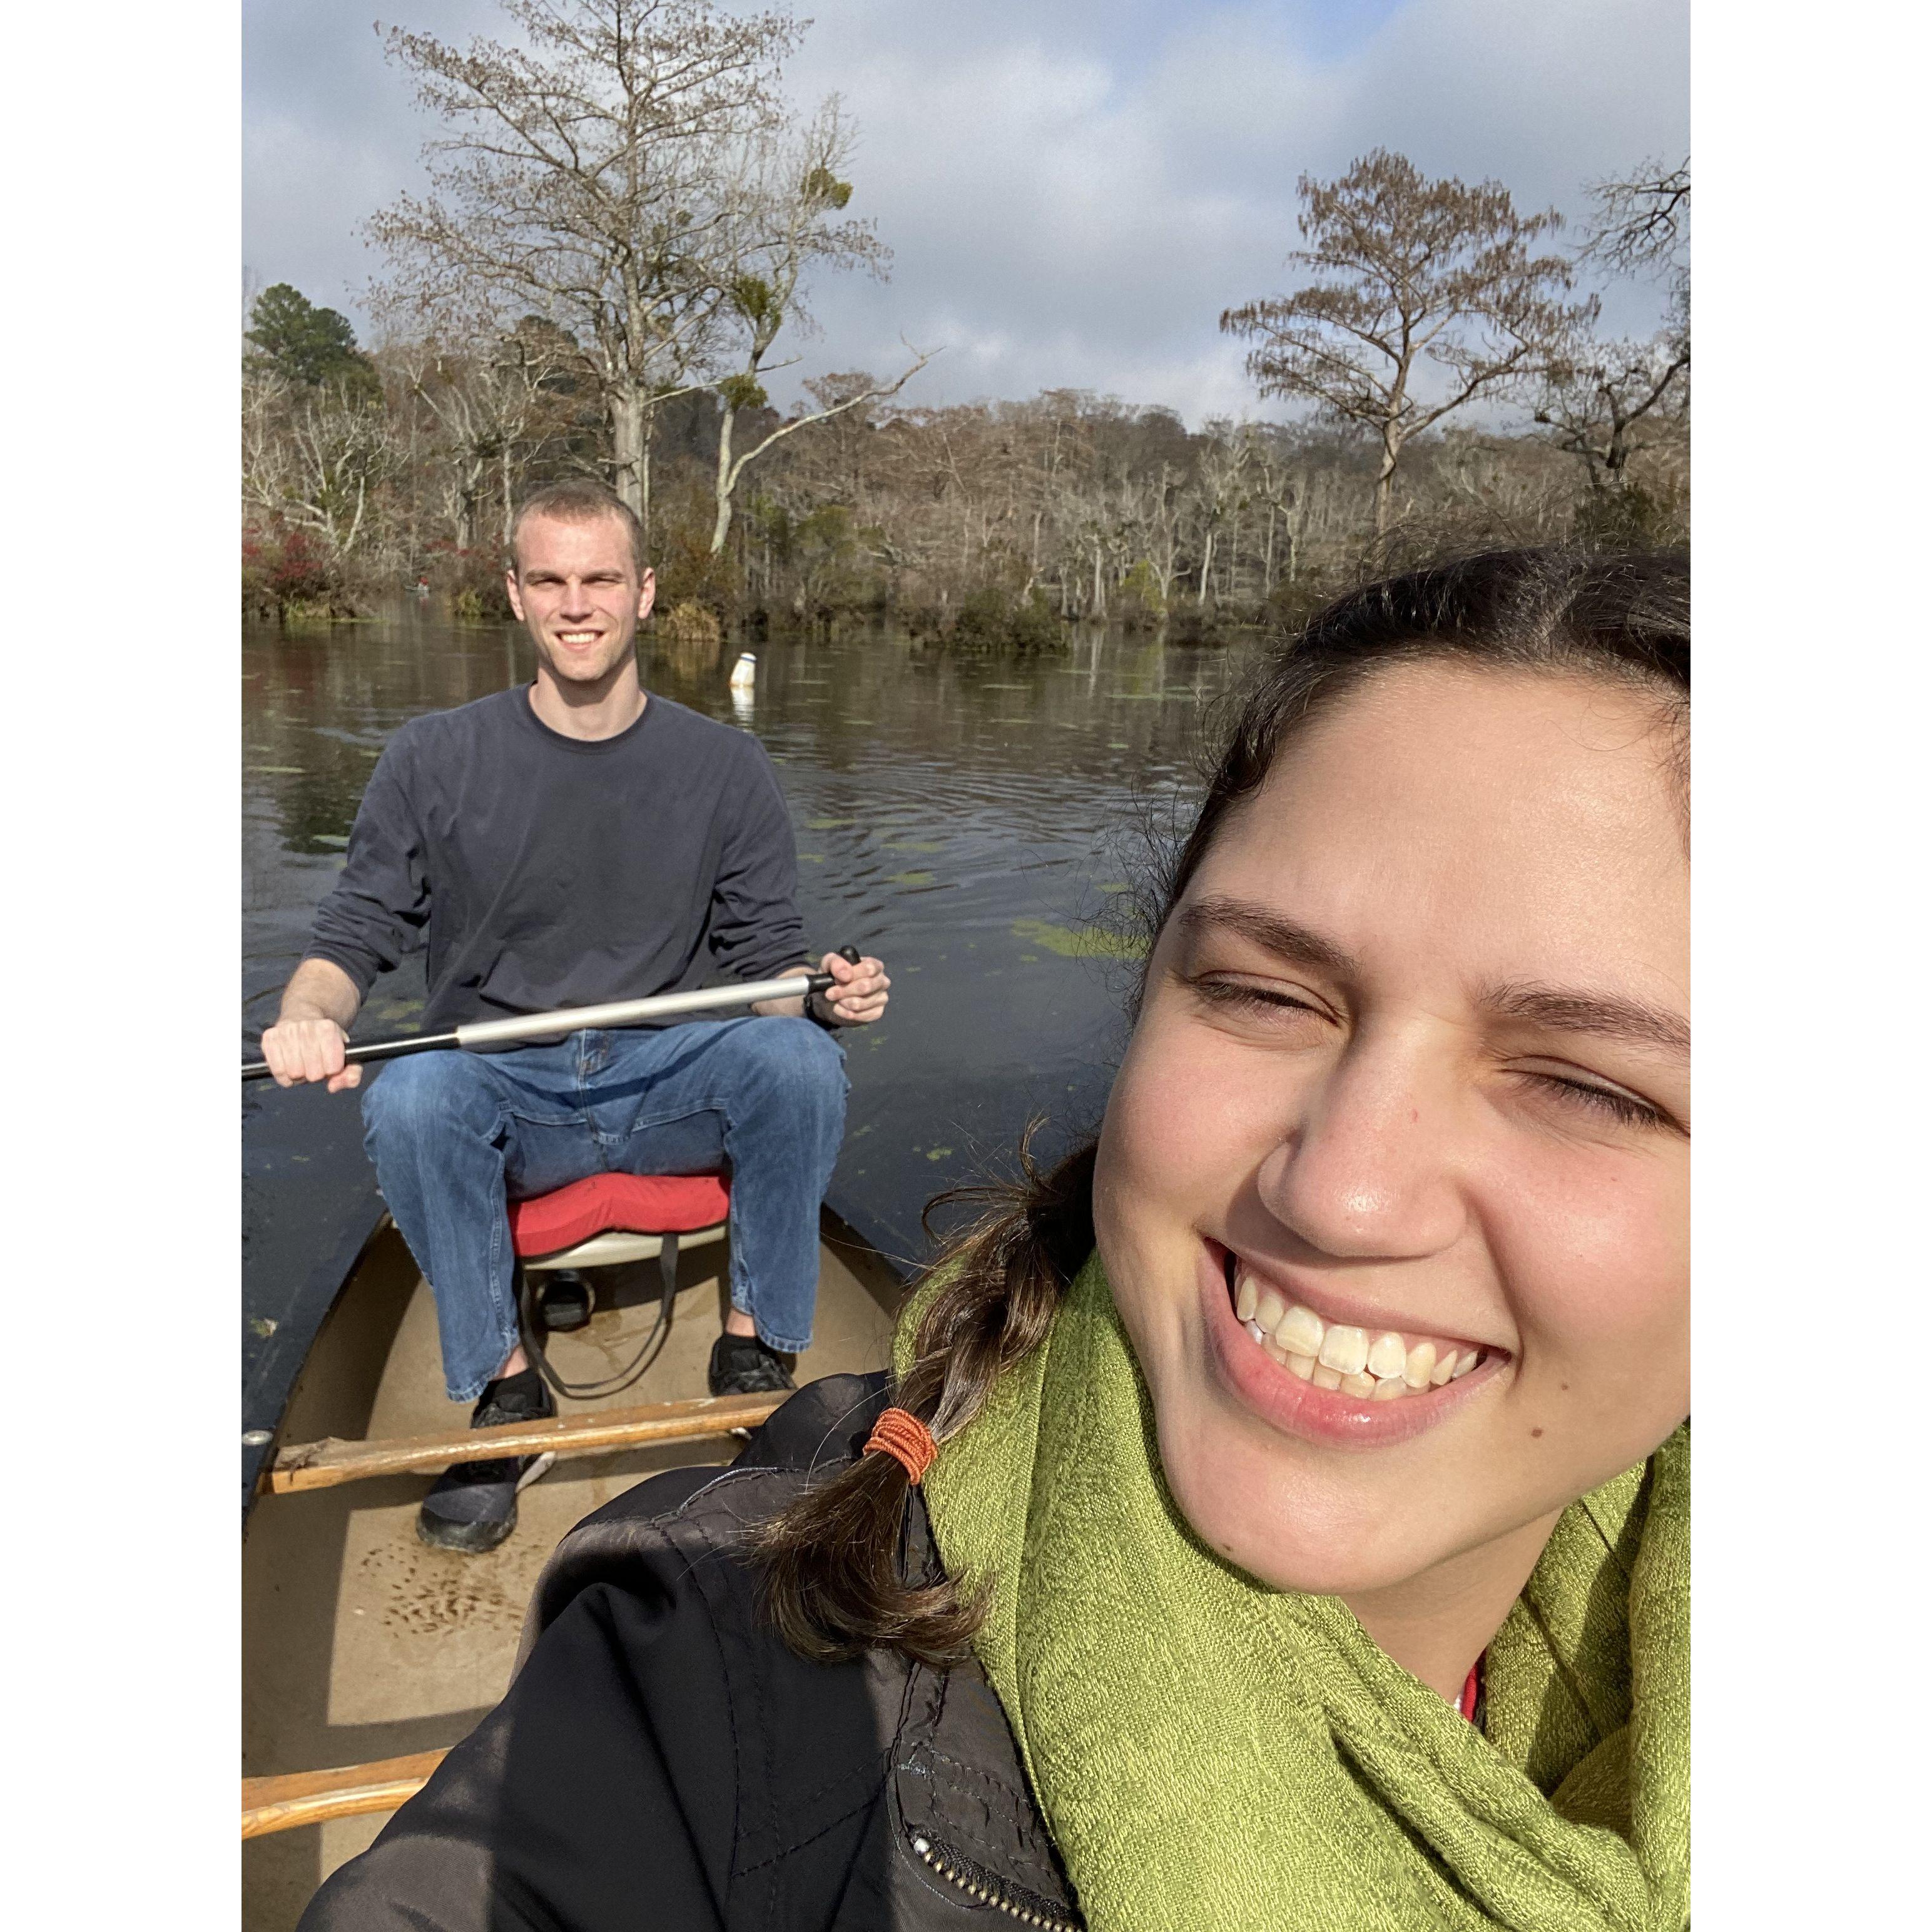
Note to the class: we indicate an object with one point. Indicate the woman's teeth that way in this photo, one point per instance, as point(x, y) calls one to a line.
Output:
point(1382, 1366)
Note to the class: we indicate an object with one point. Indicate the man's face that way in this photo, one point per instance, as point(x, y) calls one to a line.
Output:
point(576, 586)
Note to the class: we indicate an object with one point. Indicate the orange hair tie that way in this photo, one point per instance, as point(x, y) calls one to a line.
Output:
point(900, 1434)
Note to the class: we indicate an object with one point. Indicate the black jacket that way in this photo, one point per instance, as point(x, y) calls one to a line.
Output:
point(662, 1761)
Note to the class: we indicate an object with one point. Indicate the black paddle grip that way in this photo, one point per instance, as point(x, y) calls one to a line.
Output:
point(820, 982)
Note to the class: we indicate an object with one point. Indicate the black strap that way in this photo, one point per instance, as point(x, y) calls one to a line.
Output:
point(647, 1352)
point(668, 1277)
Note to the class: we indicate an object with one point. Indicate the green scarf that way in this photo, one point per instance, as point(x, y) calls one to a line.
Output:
point(1211, 1752)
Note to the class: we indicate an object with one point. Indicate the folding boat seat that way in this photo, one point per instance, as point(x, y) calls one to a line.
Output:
point(606, 1219)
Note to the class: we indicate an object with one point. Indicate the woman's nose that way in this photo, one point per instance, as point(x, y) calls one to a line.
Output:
point(1367, 1169)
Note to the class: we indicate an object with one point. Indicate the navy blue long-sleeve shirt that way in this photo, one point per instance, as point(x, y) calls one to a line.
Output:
point(546, 871)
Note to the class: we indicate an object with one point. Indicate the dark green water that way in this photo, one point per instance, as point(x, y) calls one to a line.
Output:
point(968, 820)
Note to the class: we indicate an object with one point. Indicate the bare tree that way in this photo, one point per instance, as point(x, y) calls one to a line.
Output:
point(572, 185)
point(1606, 401)
point(1431, 296)
point(1152, 512)
point(1219, 488)
point(1277, 494)
point(783, 195)
point(1641, 224)
point(495, 403)
point(312, 458)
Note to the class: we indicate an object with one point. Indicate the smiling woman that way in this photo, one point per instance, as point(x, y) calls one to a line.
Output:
point(1280, 1514)
point(1392, 1187)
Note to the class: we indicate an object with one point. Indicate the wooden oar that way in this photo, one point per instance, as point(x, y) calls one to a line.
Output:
point(574, 1019)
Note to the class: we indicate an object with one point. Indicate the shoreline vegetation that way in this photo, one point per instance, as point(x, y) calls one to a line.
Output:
point(1435, 354)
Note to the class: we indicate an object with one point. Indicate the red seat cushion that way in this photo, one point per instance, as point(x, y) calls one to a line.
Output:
point(639, 1204)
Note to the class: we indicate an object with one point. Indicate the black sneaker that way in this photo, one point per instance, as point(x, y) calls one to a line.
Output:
point(742, 1365)
point(473, 1506)
point(564, 1300)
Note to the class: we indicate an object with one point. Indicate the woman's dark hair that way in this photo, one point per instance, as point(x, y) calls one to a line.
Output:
point(832, 1559)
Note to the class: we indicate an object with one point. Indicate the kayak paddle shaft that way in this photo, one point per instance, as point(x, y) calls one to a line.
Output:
point(575, 1019)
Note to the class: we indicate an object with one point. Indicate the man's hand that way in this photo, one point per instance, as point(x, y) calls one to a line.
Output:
point(858, 994)
point(309, 1050)
point(306, 1041)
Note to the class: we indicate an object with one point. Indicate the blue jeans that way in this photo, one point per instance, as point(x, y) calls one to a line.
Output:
point(454, 1135)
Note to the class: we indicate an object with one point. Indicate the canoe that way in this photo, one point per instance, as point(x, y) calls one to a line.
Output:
point(366, 1654)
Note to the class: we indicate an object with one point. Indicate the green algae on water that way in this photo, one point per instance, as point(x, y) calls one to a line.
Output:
point(1075, 943)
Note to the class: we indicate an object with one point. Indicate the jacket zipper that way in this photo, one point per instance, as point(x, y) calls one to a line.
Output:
point(991, 1894)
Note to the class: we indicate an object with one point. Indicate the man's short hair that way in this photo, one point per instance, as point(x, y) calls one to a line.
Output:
point(579, 500)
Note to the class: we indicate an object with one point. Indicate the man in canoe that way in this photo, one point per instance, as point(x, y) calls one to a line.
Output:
point(573, 841)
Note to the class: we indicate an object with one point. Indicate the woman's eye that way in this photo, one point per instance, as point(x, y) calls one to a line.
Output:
point(1610, 1102)
point(1238, 996)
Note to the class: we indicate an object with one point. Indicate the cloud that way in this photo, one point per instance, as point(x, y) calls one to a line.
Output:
point(329, 135)
point(1072, 193)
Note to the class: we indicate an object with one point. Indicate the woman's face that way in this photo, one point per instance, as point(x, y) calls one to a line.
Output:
point(1410, 1093)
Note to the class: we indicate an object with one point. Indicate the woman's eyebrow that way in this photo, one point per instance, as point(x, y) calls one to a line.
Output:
point(1270, 931)
point(1608, 1016)
point(1562, 1009)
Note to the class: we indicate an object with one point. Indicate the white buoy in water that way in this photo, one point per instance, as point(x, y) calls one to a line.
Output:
point(745, 672)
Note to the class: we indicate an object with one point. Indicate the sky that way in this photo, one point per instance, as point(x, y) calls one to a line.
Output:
point(1072, 190)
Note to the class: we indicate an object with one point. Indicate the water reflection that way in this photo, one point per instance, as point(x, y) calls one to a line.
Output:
point(966, 819)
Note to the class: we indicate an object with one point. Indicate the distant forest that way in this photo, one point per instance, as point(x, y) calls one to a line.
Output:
point(615, 309)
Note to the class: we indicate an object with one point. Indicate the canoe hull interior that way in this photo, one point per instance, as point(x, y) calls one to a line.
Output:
point(358, 1642)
